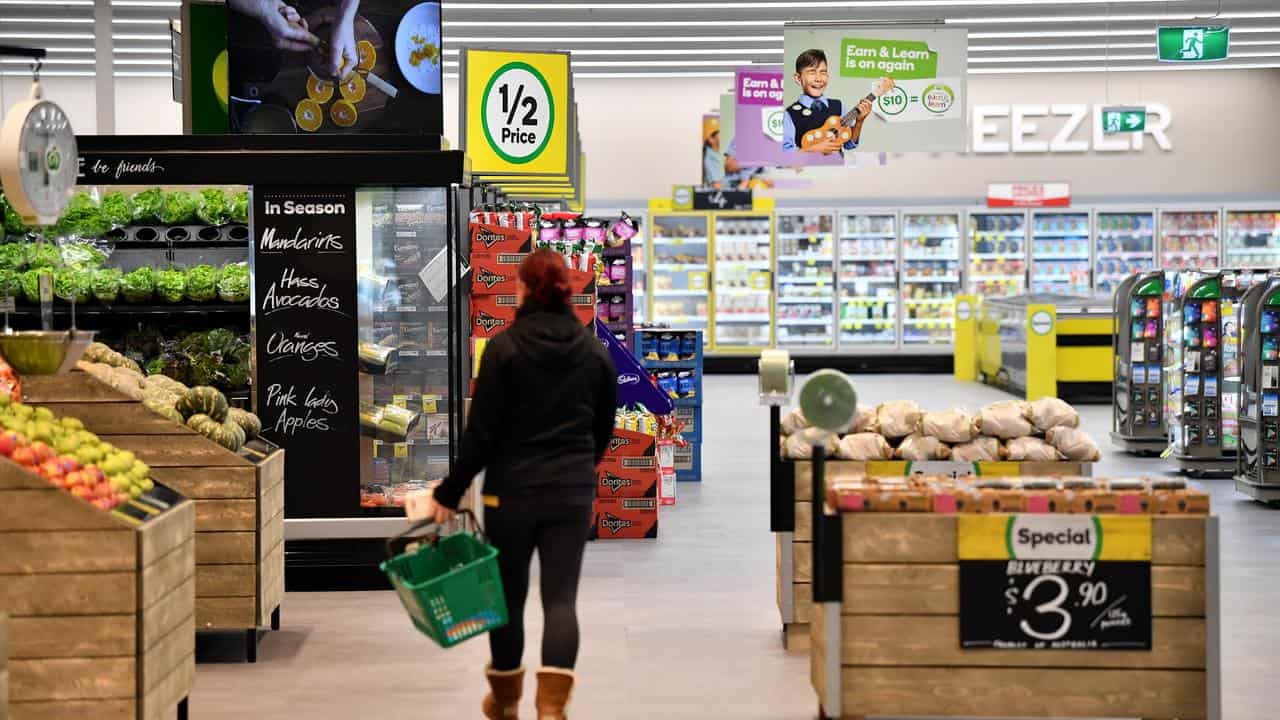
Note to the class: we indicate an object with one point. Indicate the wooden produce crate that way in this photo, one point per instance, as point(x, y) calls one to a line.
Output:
point(891, 645)
point(4, 669)
point(794, 559)
point(101, 609)
point(239, 499)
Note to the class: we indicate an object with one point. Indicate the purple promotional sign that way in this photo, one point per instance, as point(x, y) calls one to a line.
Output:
point(635, 386)
point(760, 122)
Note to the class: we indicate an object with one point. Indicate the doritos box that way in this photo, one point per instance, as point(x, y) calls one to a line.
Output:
point(494, 273)
point(627, 477)
point(492, 314)
point(583, 282)
point(495, 239)
point(625, 518)
point(629, 443)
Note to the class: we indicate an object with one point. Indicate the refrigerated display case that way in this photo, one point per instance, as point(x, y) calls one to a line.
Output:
point(805, 315)
point(1124, 244)
point(1189, 239)
point(930, 276)
point(997, 253)
point(679, 268)
point(1060, 252)
point(1253, 238)
point(868, 279)
point(397, 231)
point(743, 280)
point(639, 268)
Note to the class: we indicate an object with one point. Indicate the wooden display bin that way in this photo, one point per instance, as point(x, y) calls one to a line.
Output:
point(794, 554)
point(101, 610)
point(239, 499)
point(890, 646)
point(4, 669)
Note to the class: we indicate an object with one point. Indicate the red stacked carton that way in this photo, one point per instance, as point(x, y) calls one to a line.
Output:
point(626, 505)
point(496, 254)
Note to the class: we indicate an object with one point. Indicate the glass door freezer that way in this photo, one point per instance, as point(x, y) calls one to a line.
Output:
point(1124, 243)
point(1253, 238)
point(805, 315)
point(930, 276)
point(742, 268)
point(997, 253)
point(1189, 239)
point(679, 271)
point(868, 273)
point(1060, 256)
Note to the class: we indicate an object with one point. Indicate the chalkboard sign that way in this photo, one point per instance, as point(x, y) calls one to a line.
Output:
point(722, 200)
point(304, 263)
point(1055, 582)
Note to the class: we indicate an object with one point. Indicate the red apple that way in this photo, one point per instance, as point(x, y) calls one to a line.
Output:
point(50, 469)
point(8, 443)
point(93, 472)
point(121, 498)
point(103, 490)
point(67, 464)
point(80, 491)
point(24, 456)
point(43, 452)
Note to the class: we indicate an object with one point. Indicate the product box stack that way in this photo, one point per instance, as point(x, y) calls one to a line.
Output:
point(627, 480)
point(674, 357)
point(500, 240)
point(616, 304)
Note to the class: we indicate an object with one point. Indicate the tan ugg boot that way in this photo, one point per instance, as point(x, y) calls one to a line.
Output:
point(555, 685)
point(505, 687)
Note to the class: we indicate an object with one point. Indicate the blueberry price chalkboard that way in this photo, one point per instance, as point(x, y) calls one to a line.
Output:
point(304, 267)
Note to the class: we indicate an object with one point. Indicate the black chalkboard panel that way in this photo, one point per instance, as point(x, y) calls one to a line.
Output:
point(304, 264)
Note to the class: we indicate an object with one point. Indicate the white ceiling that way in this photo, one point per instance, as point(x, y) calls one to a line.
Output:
point(619, 38)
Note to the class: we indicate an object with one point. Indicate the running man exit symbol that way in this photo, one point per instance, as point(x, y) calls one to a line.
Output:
point(1193, 44)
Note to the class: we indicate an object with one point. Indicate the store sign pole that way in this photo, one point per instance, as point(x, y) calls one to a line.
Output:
point(1058, 582)
point(1193, 43)
point(1123, 119)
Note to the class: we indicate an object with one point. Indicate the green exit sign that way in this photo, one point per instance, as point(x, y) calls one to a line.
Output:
point(1193, 43)
point(1123, 119)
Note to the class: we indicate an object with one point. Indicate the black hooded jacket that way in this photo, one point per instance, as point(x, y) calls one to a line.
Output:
point(542, 413)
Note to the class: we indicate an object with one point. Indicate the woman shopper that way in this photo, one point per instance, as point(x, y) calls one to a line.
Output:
point(540, 422)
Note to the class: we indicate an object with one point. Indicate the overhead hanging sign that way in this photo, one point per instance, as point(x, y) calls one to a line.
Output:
point(1060, 582)
point(760, 120)
point(1028, 194)
point(1193, 43)
point(873, 88)
point(516, 112)
point(1123, 119)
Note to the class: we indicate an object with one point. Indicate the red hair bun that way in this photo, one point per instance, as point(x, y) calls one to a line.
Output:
point(546, 278)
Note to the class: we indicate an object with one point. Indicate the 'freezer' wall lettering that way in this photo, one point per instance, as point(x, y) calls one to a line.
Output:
point(1024, 135)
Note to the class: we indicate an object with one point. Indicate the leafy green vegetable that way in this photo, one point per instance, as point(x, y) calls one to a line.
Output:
point(10, 223)
point(106, 284)
point(13, 256)
point(214, 207)
point(43, 255)
point(239, 207)
point(138, 285)
point(155, 366)
point(148, 205)
point(83, 218)
point(233, 286)
point(73, 284)
point(9, 285)
point(222, 341)
point(117, 208)
point(82, 255)
point(179, 207)
point(202, 283)
point(30, 282)
point(171, 285)
point(236, 375)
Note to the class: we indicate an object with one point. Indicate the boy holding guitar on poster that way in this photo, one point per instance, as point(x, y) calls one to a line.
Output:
point(814, 123)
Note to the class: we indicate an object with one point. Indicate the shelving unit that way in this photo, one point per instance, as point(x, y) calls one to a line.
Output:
point(805, 314)
point(743, 281)
point(679, 271)
point(1190, 239)
point(675, 360)
point(615, 301)
point(868, 279)
point(1252, 238)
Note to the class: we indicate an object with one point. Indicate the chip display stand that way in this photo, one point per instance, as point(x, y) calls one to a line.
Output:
point(1258, 460)
point(674, 357)
point(615, 305)
point(886, 633)
point(791, 517)
point(237, 500)
point(101, 608)
point(1137, 399)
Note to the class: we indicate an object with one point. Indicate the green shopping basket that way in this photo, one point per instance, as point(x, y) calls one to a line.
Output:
point(449, 584)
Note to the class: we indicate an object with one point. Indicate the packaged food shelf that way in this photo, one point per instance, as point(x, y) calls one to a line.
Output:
point(679, 275)
point(692, 418)
point(1252, 238)
point(689, 462)
point(1190, 239)
point(1060, 252)
point(1124, 244)
point(997, 253)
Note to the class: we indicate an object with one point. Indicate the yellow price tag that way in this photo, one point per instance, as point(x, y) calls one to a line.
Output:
point(429, 403)
point(760, 280)
point(813, 263)
point(377, 445)
point(697, 281)
point(399, 400)
point(401, 450)
point(821, 283)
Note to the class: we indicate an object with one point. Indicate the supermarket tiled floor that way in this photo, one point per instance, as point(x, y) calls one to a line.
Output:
point(685, 627)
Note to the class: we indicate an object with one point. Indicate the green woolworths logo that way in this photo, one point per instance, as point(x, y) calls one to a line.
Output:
point(53, 160)
point(875, 57)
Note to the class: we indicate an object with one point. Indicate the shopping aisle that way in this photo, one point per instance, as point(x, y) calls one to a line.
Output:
point(687, 625)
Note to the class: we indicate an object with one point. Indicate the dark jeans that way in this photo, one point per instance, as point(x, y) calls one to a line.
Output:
point(559, 530)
